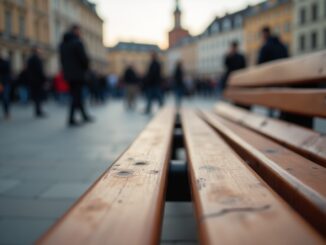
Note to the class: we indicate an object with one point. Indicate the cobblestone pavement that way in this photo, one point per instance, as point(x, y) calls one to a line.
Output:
point(45, 166)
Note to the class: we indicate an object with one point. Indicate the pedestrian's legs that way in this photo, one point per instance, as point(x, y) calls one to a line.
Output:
point(134, 92)
point(159, 96)
point(73, 104)
point(6, 101)
point(149, 95)
point(80, 103)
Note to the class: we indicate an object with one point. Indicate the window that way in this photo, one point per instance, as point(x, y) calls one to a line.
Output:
point(226, 25)
point(314, 12)
point(8, 22)
point(314, 40)
point(325, 38)
point(302, 42)
point(238, 21)
point(302, 15)
point(21, 26)
point(216, 27)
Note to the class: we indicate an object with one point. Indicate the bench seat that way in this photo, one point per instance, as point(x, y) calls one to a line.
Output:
point(233, 204)
point(126, 204)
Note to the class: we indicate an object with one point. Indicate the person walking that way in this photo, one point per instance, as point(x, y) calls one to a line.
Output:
point(36, 80)
point(5, 78)
point(233, 61)
point(153, 84)
point(179, 85)
point(75, 64)
point(272, 48)
point(130, 80)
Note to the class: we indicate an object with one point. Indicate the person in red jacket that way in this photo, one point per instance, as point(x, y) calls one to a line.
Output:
point(61, 88)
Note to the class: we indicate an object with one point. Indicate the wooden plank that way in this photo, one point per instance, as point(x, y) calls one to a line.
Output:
point(125, 206)
point(302, 140)
point(297, 179)
point(232, 204)
point(307, 102)
point(309, 68)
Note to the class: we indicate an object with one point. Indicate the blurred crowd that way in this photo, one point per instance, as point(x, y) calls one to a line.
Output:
point(76, 82)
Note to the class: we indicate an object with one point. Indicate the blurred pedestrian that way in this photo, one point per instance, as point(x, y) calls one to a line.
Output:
point(233, 61)
point(131, 82)
point(75, 64)
point(5, 88)
point(153, 86)
point(272, 48)
point(179, 84)
point(22, 83)
point(36, 80)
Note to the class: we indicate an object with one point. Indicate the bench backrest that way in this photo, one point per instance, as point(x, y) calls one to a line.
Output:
point(293, 85)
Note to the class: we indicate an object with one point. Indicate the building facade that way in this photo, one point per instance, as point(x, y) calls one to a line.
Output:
point(177, 33)
point(65, 13)
point(42, 23)
point(136, 54)
point(214, 43)
point(278, 15)
point(309, 26)
point(24, 24)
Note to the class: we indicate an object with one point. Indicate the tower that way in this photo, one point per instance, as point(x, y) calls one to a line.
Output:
point(177, 33)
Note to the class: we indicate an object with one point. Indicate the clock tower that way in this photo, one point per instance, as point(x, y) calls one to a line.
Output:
point(177, 33)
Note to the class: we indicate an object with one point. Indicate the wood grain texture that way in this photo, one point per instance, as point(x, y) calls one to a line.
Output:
point(125, 206)
point(298, 180)
point(309, 68)
point(308, 102)
point(232, 204)
point(305, 141)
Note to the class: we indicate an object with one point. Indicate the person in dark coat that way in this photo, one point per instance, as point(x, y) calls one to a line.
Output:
point(131, 82)
point(272, 49)
point(5, 78)
point(233, 61)
point(75, 64)
point(36, 80)
point(153, 86)
point(179, 85)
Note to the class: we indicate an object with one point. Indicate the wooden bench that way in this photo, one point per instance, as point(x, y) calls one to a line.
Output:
point(253, 179)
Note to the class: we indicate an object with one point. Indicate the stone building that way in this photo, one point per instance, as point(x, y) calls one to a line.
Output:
point(28, 23)
point(214, 43)
point(63, 14)
point(129, 53)
point(24, 24)
point(309, 28)
point(278, 15)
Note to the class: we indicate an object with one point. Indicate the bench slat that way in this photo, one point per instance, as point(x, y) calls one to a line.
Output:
point(300, 70)
point(125, 206)
point(300, 139)
point(308, 102)
point(232, 204)
point(297, 179)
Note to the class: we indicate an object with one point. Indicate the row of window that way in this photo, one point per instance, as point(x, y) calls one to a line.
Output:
point(310, 41)
point(8, 27)
point(312, 11)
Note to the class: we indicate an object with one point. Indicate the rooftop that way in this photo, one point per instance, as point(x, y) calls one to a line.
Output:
point(138, 47)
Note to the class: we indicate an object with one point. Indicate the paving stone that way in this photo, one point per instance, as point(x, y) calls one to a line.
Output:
point(6, 184)
point(179, 229)
point(28, 189)
point(178, 209)
point(33, 208)
point(22, 231)
point(65, 190)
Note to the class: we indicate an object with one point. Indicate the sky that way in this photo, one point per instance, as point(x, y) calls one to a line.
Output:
point(149, 21)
